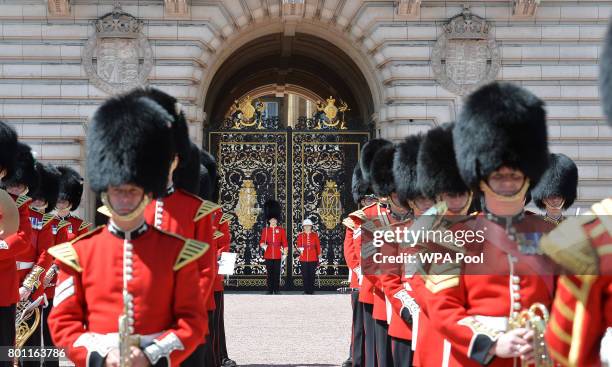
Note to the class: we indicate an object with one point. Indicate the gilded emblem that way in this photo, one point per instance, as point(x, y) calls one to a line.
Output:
point(330, 210)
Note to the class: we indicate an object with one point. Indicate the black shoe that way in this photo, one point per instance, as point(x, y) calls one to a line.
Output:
point(228, 363)
point(347, 363)
point(277, 292)
point(269, 292)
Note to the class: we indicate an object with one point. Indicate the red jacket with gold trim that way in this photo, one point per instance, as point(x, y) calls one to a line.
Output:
point(166, 314)
point(13, 248)
point(191, 217)
point(474, 303)
point(275, 239)
point(582, 309)
point(311, 246)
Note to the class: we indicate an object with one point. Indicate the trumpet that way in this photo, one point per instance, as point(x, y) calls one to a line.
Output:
point(535, 319)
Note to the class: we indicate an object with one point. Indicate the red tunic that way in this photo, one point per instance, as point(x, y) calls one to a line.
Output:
point(311, 246)
point(12, 249)
point(77, 226)
point(582, 309)
point(191, 217)
point(275, 239)
point(352, 249)
point(473, 303)
point(223, 244)
point(167, 313)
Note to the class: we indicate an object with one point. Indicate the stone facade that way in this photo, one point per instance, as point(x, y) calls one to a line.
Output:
point(550, 47)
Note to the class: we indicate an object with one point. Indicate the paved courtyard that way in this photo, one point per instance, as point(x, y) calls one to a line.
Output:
point(290, 329)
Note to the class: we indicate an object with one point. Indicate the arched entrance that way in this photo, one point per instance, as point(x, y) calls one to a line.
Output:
point(287, 116)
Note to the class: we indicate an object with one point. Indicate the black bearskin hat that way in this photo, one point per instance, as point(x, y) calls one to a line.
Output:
point(210, 164)
point(359, 187)
point(187, 174)
point(130, 142)
point(560, 179)
point(405, 168)
point(272, 209)
point(381, 171)
point(501, 125)
point(605, 75)
point(49, 187)
point(71, 186)
point(437, 170)
point(8, 141)
point(180, 131)
point(368, 151)
point(206, 189)
point(23, 172)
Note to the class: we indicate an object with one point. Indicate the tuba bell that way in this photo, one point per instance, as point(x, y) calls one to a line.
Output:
point(535, 319)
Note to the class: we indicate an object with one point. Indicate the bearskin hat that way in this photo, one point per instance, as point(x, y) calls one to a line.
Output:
point(405, 168)
point(130, 142)
point(560, 179)
point(437, 170)
point(501, 125)
point(272, 209)
point(368, 151)
point(381, 171)
point(49, 187)
point(180, 131)
point(187, 174)
point(359, 187)
point(605, 75)
point(71, 186)
point(210, 163)
point(23, 172)
point(8, 140)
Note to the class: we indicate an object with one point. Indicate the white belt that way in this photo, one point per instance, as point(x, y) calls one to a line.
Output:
point(499, 323)
point(22, 265)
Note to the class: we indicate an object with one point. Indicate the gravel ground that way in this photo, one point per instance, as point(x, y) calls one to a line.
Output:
point(290, 329)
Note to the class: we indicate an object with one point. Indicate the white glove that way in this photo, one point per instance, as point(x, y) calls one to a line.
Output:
point(264, 246)
point(301, 250)
point(24, 293)
point(357, 271)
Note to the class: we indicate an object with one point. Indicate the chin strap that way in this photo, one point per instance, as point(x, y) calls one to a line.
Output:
point(131, 215)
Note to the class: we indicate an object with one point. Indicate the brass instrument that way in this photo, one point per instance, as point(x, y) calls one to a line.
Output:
point(26, 321)
point(535, 319)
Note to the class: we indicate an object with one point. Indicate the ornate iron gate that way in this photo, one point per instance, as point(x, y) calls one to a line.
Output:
point(308, 171)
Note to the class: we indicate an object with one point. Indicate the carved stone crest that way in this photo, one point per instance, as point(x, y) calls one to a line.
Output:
point(465, 56)
point(118, 56)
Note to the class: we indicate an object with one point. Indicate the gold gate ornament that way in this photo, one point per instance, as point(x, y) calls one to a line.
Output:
point(245, 208)
point(330, 210)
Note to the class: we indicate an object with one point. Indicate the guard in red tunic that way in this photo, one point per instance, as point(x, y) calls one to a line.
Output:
point(69, 200)
point(579, 331)
point(128, 292)
point(557, 189)
point(309, 247)
point(362, 196)
point(437, 177)
point(180, 211)
point(12, 242)
point(501, 148)
point(274, 243)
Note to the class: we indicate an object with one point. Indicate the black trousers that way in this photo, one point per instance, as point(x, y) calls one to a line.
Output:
point(7, 329)
point(34, 340)
point(309, 270)
point(197, 358)
point(273, 274)
point(369, 336)
point(219, 344)
point(357, 352)
point(383, 343)
point(402, 352)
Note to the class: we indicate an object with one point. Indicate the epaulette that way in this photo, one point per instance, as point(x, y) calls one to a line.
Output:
point(226, 218)
point(205, 208)
point(84, 224)
point(191, 251)
point(104, 210)
point(47, 218)
point(217, 235)
point(442, 276)
point(66, 254)
point(360, 213)
point(349, 223)
point(570, 246)
point(22, 200)
point(603, 210)
point(62, 224)
point(37, 210)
